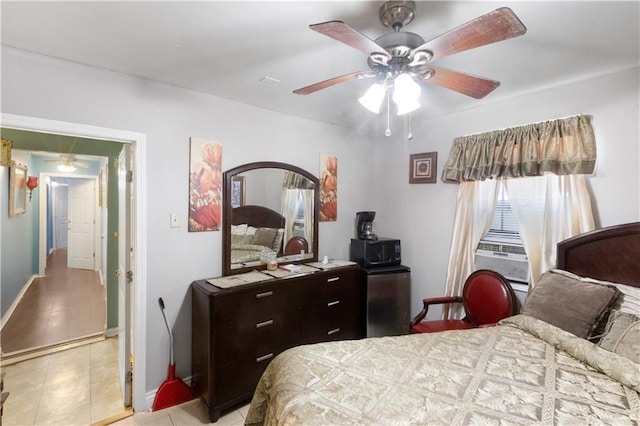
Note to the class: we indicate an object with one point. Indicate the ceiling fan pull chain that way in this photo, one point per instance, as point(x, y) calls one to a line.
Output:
point(410, 135)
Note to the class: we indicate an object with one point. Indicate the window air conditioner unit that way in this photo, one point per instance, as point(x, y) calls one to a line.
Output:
point(508, 259)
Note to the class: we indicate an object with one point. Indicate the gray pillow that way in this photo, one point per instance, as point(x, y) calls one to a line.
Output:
point(570, 304)
point(265, 237)
point(618, 323)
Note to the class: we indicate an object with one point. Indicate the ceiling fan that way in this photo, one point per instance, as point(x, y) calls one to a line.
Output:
point(68, 162)
point(400, 52)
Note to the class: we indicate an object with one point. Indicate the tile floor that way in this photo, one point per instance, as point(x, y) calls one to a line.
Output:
point(65, 304)
point(189, 413)
point(77, 386)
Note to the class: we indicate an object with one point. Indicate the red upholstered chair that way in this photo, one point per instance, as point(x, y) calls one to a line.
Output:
point(295, 245)
point(487, 298)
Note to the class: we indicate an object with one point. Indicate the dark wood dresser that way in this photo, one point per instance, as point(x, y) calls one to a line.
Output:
point(237, 331)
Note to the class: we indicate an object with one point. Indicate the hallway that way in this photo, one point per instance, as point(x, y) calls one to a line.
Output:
point(64, 305)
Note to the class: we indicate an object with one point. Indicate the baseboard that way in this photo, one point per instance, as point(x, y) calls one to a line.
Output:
point(14, 305)
point(111, 332)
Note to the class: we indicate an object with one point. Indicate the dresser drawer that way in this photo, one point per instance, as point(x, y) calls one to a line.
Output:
point(255, 339)
point(240, 379)
point(329, 286)
point(317, 330)
point(334, 319)
point(257, 303)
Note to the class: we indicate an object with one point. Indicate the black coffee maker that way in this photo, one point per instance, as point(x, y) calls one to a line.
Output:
point(365, 225)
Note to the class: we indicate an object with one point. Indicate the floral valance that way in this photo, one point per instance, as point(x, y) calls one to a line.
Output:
point(563, 147)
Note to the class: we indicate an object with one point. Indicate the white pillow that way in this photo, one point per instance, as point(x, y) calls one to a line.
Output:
point(239, 229)
point(629, 300)
point(251, 230)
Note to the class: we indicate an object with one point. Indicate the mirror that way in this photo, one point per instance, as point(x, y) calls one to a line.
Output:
point(269, 209)
point(17, 189)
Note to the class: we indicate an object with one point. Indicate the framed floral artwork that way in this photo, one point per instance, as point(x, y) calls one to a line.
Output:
point(328, 188)
point(205, 185)
point(423, 168)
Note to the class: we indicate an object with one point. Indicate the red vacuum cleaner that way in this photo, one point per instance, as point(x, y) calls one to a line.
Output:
point(173, 390)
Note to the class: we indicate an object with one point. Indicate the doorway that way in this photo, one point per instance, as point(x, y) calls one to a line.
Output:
point(137, 143)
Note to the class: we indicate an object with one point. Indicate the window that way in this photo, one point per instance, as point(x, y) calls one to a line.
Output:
point(501, 249)
point(298, 223)
point(504, 226)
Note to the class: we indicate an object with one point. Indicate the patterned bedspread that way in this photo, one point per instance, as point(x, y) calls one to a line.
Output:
point(248, 252)
point(523, 371)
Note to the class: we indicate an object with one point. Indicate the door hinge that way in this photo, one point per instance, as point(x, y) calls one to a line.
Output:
point(129, 176)
point(129, 276)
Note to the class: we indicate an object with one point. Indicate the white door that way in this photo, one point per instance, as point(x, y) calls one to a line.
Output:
point(81, 216)
point(125, 276)
point(60, 215)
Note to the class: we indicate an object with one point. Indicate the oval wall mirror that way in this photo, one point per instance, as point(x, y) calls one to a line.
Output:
point(269, 209)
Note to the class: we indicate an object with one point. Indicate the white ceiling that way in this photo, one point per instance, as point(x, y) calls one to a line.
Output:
point(225, 48)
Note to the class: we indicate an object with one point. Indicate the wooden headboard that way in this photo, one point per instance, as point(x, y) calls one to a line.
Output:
point(257, 216)
point(610, 254)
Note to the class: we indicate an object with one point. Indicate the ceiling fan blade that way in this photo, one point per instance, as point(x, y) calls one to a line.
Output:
point(340, 31)
point(332, 82)
point(467, 84)
point(501, 24)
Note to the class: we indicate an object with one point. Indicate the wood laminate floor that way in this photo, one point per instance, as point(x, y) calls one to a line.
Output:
point(64, 305)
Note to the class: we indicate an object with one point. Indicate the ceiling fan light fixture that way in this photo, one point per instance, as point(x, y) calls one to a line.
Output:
point(372, 100)
point(407, 107)
point(67, 168)
point(405, 93)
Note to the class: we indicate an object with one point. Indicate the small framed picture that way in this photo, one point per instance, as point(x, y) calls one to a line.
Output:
point(423, 168)
point(237, 191)
point(5, 153)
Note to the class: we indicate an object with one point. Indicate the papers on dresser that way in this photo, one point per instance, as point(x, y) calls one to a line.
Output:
point(333, 263)
point(240, 279)
point(290, 270)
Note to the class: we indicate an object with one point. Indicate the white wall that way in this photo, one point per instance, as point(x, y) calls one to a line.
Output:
point(43, 87)
point(427, 210)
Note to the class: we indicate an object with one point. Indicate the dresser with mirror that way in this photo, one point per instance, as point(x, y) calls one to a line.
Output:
point(242, 320)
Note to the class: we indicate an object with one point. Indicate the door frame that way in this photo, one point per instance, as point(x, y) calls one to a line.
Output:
point(138, 142)
point(56, 226)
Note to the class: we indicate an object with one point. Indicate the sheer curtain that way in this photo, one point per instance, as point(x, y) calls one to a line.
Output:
point(289, 210)
point(474, 212)
point(549, 209)
point(307, 200)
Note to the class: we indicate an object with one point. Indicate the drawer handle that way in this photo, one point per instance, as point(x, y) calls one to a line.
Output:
point(264, 324)
point(334, 331)
point(332, 280)
point(265, 294)
point(330, 304)
point(264, 357)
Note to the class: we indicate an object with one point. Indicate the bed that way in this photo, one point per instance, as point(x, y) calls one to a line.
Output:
point(256, 231)
point(525, 370)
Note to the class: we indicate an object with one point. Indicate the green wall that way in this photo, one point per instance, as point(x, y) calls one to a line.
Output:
point(35, 141)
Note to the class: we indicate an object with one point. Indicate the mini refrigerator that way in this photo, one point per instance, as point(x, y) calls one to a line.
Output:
point(387, 300)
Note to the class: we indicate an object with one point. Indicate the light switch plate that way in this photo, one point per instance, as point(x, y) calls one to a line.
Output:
point(174, 220)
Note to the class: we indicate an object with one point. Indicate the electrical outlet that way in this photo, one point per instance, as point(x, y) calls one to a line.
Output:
point(174, 220)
